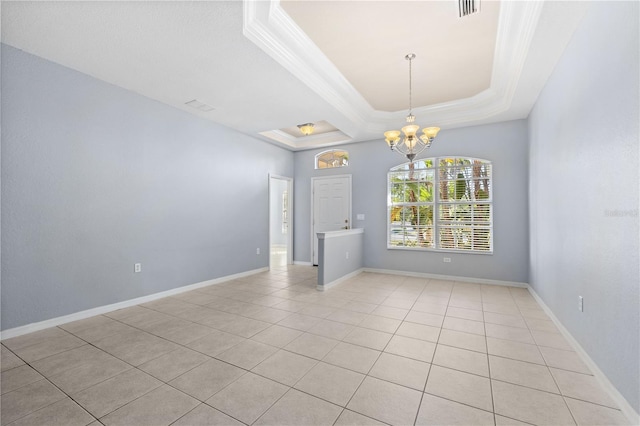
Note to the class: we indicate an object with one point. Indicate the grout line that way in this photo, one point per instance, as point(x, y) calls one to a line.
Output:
point(547, 367)
point(433, 355)
point(461, 403)
point(377, 288)
point(486, 342)
point(55, 402)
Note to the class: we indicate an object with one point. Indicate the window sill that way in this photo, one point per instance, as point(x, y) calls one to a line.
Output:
point(434, 250)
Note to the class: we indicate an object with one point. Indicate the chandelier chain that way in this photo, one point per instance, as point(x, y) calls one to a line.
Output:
point(410, 93)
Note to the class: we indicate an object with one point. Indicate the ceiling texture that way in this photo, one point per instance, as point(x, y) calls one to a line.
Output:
point(264, 66)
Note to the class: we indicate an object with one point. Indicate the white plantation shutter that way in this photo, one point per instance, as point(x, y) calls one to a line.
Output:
point(443, 204)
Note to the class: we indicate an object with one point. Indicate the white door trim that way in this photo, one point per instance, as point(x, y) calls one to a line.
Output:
point(289, 181)
point(313, 180)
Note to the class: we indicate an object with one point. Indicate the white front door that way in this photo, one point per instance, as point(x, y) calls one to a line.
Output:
point(331, 207)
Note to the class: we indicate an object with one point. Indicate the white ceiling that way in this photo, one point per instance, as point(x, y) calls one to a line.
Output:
point(261, 72)
point(368, 40)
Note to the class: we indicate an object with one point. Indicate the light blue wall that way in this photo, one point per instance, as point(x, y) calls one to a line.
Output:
point(584, 191)
point(96, 178)
point(505, 144)
point(339, 255)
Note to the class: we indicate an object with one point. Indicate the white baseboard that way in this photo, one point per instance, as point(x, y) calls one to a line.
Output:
point(300, 262)
point(339, 280)
point(617, 397)
point(447, 277)
point(37, 326)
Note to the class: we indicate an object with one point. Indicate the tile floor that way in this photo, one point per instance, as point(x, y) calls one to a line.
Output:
point(271, 350)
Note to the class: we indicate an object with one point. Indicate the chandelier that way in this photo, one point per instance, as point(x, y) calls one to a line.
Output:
point(412, 144)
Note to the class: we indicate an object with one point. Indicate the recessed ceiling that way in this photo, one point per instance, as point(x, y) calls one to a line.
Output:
point(319, 128)
point(454, 56)
point(261, 72)
point(324, 134)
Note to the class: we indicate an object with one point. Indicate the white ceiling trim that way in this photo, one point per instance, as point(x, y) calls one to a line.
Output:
point(311, 141)
point(516, 28)
point(270, 28)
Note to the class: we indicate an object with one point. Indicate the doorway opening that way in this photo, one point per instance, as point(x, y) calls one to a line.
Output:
point(280, 221)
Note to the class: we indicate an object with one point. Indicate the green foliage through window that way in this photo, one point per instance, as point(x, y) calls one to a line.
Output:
point(441, 204)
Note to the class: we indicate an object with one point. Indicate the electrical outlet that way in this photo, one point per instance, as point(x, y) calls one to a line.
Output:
point(446, 260)
point(137, 267)
point(347, 255)
point(258, 250)
point(580, 303)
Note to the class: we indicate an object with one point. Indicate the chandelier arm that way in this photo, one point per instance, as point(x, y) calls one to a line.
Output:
point(402, 148)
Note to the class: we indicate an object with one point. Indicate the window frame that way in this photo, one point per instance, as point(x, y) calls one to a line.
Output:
point(318, 156)
point(437, 204)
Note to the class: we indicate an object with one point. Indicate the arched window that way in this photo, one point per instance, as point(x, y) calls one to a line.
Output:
point(332, 158)
point(443, 204)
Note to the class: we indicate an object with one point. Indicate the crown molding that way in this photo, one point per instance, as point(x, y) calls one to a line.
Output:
point(268, 26)
point(306, 142)
point(272, 30)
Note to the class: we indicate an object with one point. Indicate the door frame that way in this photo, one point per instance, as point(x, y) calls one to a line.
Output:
point(313, 180)
point(289, 181)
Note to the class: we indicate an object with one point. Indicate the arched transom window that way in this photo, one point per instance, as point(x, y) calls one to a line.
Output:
point(332, 158)
point(443, 203)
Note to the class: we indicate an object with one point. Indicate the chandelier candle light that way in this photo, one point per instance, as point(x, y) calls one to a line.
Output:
point(411, 145)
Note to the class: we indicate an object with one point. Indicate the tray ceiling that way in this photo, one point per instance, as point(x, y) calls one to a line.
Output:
point(266, 66)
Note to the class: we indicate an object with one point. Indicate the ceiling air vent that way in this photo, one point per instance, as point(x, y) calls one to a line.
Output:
point(468, 7)
point(199, 105)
